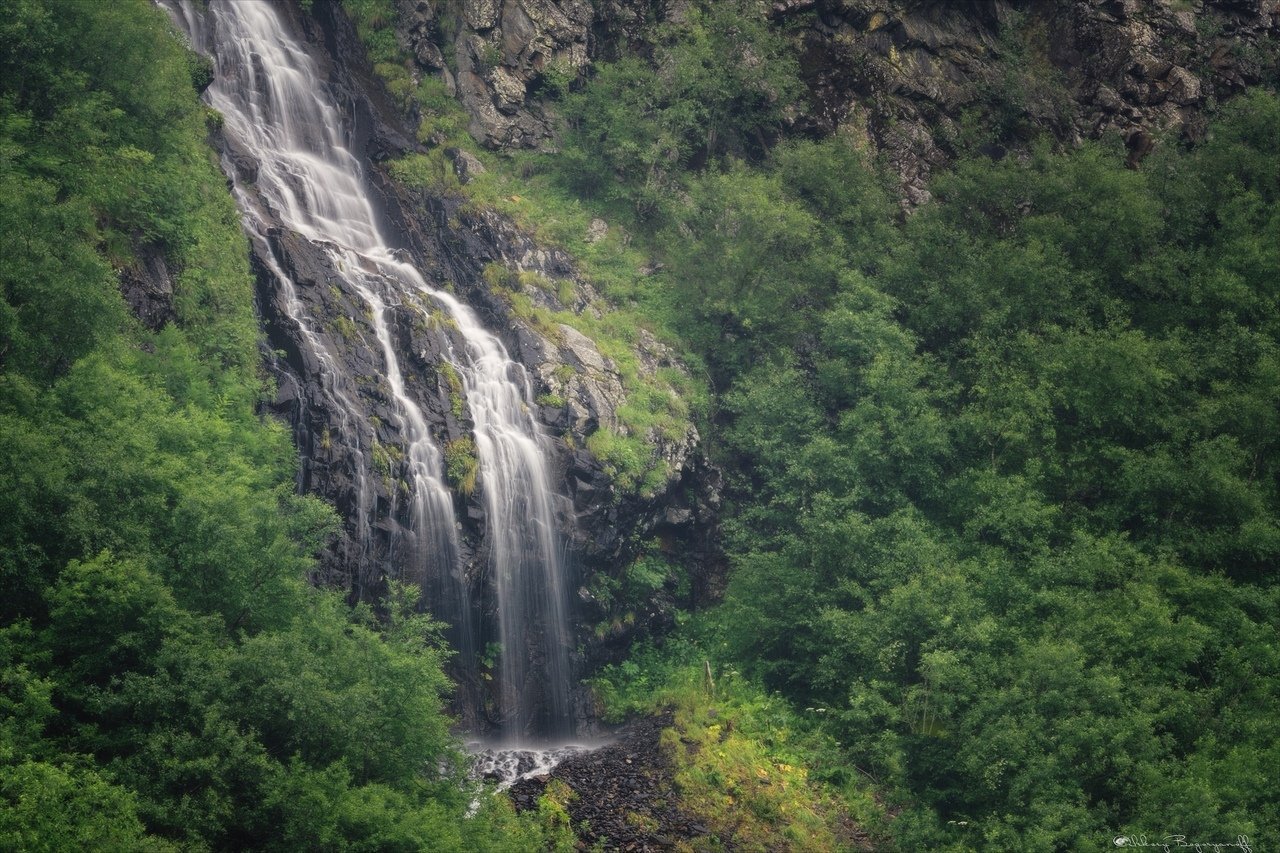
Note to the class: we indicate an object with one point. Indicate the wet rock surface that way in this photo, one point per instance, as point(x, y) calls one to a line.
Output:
point(147, 286)
point(625, 796)
point(353, 453)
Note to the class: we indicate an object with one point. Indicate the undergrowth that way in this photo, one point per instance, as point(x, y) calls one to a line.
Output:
point(760, 776)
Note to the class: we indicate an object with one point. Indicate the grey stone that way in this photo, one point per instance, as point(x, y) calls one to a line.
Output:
point(480, 14)
point(597, 230)
point(465, 164)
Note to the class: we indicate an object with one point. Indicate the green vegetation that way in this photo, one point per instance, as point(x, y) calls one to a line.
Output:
point(453, 380)
point(386, 461)
point(1008, 515)
point(753, 769)
point(168, 678)
point(1003, 481)
point(651, 580)
point(642, 123)
point(1002, 478)
point(461, 465)
point(373, 20)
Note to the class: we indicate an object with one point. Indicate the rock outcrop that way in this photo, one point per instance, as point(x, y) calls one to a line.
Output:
point(926, 81)
point(499, 57)
point(496, 55)
point(922, 80)
point(147, 286)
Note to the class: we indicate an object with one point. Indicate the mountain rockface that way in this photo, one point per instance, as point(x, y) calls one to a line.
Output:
point(922, 80)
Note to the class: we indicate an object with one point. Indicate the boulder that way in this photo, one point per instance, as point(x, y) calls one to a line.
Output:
point(597, 230)
point(465, 164)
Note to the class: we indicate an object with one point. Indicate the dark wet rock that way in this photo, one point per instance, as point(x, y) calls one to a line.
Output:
point(501, 52)
point(625, 796)
point(458, 242)
point(147, 286)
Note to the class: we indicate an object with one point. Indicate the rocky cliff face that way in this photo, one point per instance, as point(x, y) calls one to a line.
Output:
point(923, 80)
point(345, 417)
point(498, 56)
point(579, 390)
point(927, 80)
point(495, 55)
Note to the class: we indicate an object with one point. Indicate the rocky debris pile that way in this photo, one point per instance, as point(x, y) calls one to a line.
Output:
point(625, 795)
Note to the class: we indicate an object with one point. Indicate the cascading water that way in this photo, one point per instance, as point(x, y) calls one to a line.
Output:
point(278, 113)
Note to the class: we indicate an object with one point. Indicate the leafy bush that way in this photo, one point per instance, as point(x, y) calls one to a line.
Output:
point(638, 125)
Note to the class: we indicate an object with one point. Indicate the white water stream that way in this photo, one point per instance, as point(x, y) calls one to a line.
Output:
point(278, 110)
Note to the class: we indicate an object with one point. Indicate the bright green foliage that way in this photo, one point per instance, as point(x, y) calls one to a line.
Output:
point(753, 261)
point(168, 679)
point(461, 464)
point(373, 20)
point(46, 807)
point(745, 762)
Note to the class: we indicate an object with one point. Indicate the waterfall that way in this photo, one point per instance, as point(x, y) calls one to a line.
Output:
point(279, 113)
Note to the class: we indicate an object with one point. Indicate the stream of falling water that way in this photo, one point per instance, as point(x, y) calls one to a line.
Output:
point(278, 111)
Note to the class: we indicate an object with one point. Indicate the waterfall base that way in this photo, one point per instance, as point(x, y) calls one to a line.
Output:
point(509, 764)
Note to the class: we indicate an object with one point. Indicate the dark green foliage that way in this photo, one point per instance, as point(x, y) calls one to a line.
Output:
point(641, 122)
point(750, 265)
point(759, 254)
point(1007, 511)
